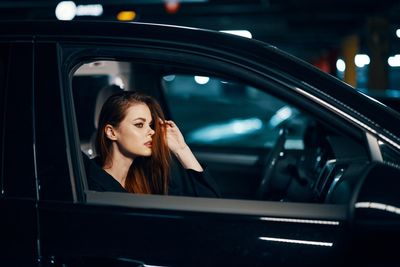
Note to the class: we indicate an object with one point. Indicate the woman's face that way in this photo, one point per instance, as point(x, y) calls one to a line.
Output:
point(133, 136)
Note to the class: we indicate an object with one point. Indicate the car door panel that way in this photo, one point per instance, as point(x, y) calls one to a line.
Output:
point(18, 217)
point(178, 238)
point(236, 171)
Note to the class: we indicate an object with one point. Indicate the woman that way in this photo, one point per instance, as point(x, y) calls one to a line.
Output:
point(141, 152)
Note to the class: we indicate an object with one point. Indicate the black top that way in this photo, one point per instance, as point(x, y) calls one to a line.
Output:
point(183, 182)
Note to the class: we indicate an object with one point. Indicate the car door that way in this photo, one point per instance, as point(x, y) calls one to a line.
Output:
point(79, 227)
point(18, 223)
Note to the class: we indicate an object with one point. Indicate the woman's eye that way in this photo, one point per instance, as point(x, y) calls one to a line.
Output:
point(139, 125)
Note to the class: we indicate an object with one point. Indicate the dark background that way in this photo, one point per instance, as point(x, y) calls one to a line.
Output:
point(319, 32)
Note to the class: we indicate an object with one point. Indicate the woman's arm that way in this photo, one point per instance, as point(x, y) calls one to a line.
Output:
point(178, 146)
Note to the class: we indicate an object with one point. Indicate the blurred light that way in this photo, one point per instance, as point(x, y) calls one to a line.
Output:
point(169, 78)
point(126, 15)
point(243, 126)
point(340, 65)
point(394, 61)
point(201, 79)
point(171, 6)
point(66, 10)
point(225, 130)
point(280, 116)
point(361, 60)
point(296, 241)
point(243, 33)
point(89, 10)
point(118, 81)
point(398, 33)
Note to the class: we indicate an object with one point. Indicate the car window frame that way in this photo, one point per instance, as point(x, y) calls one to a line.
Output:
point(310, 211)
point(74, 55)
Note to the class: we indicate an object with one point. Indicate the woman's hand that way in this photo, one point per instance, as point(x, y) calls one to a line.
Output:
point(175, 139)
point(176, 143)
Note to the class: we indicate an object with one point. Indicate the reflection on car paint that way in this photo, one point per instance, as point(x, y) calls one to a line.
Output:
point(295, 241)
point(378, 206)
point(273, 219)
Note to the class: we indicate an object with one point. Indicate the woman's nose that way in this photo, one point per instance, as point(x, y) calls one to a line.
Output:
point(151, 132)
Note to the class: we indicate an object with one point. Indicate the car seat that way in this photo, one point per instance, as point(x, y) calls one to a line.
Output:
point(102, 96)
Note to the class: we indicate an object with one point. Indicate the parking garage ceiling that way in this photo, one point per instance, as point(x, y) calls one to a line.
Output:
point(302, 27)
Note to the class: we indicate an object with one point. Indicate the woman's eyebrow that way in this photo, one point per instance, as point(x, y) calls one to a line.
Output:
point(141, 119)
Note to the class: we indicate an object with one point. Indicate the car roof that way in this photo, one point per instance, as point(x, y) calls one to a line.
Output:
point(242, 48)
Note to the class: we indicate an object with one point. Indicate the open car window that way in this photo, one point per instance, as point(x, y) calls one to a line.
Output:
point(224, 113)
point(255, 144)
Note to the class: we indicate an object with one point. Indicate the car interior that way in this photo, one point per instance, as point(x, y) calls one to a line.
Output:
point(256, 145)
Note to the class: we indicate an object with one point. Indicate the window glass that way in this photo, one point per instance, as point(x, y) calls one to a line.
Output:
point(253, 144)
point(219, 112)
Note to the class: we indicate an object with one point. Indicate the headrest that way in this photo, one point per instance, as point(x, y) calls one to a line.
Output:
point(102, 96)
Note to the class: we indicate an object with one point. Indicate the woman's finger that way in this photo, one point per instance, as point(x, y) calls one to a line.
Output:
point(170, 123)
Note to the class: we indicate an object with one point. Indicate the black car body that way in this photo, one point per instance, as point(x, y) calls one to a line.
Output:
point(333, 199)
point(390, 98)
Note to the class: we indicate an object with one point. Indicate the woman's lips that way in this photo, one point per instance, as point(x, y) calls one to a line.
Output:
point(148, 144)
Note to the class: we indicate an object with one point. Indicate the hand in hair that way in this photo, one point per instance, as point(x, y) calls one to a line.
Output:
point(175, 139)
point(177, 145)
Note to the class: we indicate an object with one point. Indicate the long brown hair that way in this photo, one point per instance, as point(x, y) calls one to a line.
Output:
point(146, 175)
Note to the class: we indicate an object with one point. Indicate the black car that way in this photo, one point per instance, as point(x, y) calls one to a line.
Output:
point(390, 98)
point(308, 167)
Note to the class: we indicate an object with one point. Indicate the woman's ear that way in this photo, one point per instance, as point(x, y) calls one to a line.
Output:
point(110, 132)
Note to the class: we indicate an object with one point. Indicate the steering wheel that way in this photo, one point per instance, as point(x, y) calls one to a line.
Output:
point(270, 164)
